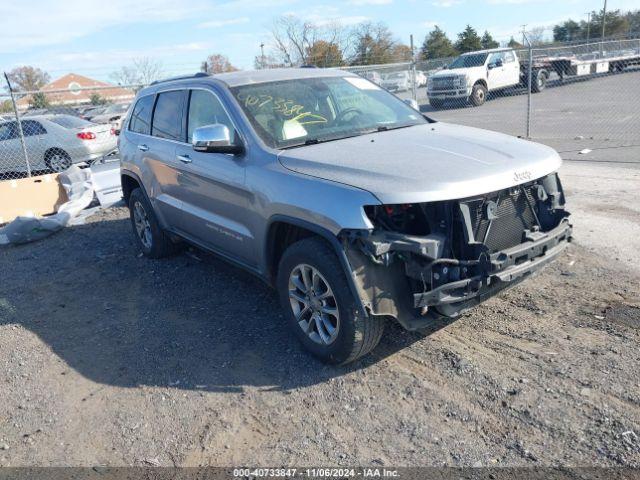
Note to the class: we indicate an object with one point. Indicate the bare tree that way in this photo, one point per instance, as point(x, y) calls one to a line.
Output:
point(536, 36)
point(142, 71)
point(292, 38)
point(217, 63)
point(125, 76)
point(27, 78)
point(267, 61)
point(296, 41)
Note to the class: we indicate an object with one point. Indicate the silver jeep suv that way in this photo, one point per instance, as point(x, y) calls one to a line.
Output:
point(353, 205)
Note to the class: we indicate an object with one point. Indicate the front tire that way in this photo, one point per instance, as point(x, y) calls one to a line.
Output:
point(319, 306)
point(150, 238)
point(478, 95)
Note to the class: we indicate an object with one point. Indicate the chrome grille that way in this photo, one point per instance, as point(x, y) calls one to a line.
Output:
point(442, 83)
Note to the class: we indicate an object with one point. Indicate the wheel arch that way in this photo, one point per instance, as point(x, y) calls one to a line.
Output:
point(52, 150)
point(129, 182)
point(283, 230)
point(483, 82)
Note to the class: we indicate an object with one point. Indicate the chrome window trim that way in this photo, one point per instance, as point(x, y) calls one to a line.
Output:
point(182, 88)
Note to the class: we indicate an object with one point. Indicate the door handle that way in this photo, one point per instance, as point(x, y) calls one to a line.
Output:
point(143, 147)
point(184, 158)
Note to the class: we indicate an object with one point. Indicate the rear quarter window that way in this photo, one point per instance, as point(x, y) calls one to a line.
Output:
point(141, 116)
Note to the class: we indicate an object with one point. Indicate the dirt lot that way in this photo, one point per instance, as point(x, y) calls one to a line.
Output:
point(109, 358)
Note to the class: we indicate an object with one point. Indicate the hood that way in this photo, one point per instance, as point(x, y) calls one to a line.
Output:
point(425, 163)
point(459, 71)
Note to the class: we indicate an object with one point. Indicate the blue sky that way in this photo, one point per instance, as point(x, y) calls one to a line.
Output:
point(96, 37)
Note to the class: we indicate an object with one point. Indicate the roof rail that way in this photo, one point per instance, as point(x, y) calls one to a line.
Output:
point(182, 77)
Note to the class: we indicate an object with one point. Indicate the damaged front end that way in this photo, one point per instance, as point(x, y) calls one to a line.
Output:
point(433, 260)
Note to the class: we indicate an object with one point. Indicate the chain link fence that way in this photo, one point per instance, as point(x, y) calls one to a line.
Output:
point(580, 95)
point(585, 94)
point(63, 124)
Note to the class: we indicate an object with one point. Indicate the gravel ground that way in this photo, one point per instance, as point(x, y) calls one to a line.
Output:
point(107, 358)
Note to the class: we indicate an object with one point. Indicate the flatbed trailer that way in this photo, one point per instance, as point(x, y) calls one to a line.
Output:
point(586, 64)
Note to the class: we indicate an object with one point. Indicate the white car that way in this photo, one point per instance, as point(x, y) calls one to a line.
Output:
point(396, 81)
point(53, 142)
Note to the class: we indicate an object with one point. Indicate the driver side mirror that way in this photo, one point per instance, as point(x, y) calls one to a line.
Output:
point(214, 138)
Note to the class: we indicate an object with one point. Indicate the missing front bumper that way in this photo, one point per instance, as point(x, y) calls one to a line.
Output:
point(385, 289)
point(506, 267)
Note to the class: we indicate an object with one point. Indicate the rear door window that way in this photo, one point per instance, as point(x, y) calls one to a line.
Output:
point(167, 116)
point(141, 116)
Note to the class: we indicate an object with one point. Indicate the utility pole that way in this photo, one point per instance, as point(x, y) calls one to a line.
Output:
point(524, 35)
point(262, 55)
point(588, 26)
point(414, 80)
point(604, 19)
point(604, 23)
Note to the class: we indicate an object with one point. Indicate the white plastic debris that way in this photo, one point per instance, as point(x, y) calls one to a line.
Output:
point(585, 151)
point(105, 178)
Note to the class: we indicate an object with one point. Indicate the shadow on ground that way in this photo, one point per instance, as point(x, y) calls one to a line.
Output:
point(191, 321)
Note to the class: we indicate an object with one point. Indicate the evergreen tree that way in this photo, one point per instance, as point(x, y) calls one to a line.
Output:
point(468, 40)
point(487, 41)
point(437, 45)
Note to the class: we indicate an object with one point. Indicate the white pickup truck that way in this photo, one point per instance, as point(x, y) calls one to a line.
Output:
point(473, 75)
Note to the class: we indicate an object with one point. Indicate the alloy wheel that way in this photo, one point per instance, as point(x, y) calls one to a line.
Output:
point(58, 162)
point(314, 304)
point(143, 227)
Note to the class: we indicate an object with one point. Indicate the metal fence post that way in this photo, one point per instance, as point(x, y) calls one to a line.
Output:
point(529, 88)
point(19, 122)
point(414, 79)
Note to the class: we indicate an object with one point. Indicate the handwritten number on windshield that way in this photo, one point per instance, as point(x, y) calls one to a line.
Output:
point(288, 108)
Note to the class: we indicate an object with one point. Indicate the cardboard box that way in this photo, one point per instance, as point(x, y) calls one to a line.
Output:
point(35, 196)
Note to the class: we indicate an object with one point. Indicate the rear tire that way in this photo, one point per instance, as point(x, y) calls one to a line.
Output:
point(339, 337)
point(478, 95)
point(150, 238)
point(57, 160)
point(539, 81)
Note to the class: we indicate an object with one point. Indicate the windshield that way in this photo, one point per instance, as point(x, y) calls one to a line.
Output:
point(302, 111)
point(468, 61)
point(67, 121)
